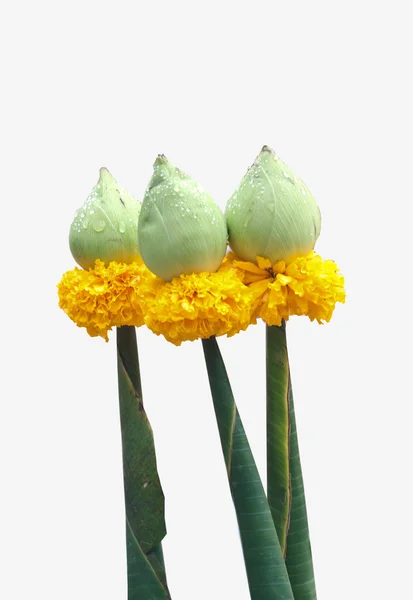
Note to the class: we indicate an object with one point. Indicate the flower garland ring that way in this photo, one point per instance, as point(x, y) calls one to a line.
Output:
point(307, 285)
point(199, 305)
point(104, 296)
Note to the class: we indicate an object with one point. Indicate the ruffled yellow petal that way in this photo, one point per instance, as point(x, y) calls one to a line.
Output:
point(249, 272)
point(308, 286)
point(279, 267)
point(105, 297)
point(199, 305)
point(264, 263)
point(315, 288)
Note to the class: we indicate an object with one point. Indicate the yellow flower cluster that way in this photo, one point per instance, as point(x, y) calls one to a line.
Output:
point(307, 285)
point(193, 306)
point(104, 297)
point(201, 305)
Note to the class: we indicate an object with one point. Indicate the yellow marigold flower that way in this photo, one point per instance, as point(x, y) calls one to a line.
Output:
point(198, 305)
point(105, 297)
point(307, 285)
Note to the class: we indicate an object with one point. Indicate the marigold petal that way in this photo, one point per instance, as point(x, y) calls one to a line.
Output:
point(263, 263)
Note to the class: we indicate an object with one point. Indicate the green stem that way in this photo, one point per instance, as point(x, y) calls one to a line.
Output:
point(299, 559)
point(295, 526)
point(144, 500)
point(266, 572)
point(278, 432)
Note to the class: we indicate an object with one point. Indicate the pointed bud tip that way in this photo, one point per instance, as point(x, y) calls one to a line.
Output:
point(162, 170)
point(264, 153)
point(267, 149)
point(105, 176)
point(160, 160)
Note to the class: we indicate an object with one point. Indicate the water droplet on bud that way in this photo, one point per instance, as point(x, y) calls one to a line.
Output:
point(99, 225)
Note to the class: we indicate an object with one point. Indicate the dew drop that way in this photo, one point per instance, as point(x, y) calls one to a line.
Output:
point(122, 227)
point(99, 225)
point(85, 223)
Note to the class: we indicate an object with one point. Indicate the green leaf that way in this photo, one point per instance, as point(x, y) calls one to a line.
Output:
point(144, 499)
point(299, 559)
point(143, 581)
point(155, 557)
point(279, 456)
point(278, 450)
point(266, 571)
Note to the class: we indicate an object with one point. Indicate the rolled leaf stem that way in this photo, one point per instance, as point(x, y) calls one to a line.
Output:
point(299, 559)
point(278, 432)
point(144, 500)
point(266, 571)
point(297, 549)
point(143, 577)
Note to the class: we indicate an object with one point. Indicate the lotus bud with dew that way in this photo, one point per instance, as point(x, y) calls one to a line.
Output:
point(106, 227)
point(272, 214)
point(181, 229)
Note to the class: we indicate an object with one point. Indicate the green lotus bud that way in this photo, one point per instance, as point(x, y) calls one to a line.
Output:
point(106, 227)
point(272, 214)
point(181, 229)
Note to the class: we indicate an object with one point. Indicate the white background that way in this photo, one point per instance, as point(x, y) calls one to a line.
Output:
point(91, 84)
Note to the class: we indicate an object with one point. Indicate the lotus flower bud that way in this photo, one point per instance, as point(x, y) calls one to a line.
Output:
point(272, 214)
point(181, 229)
point(106, 227)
